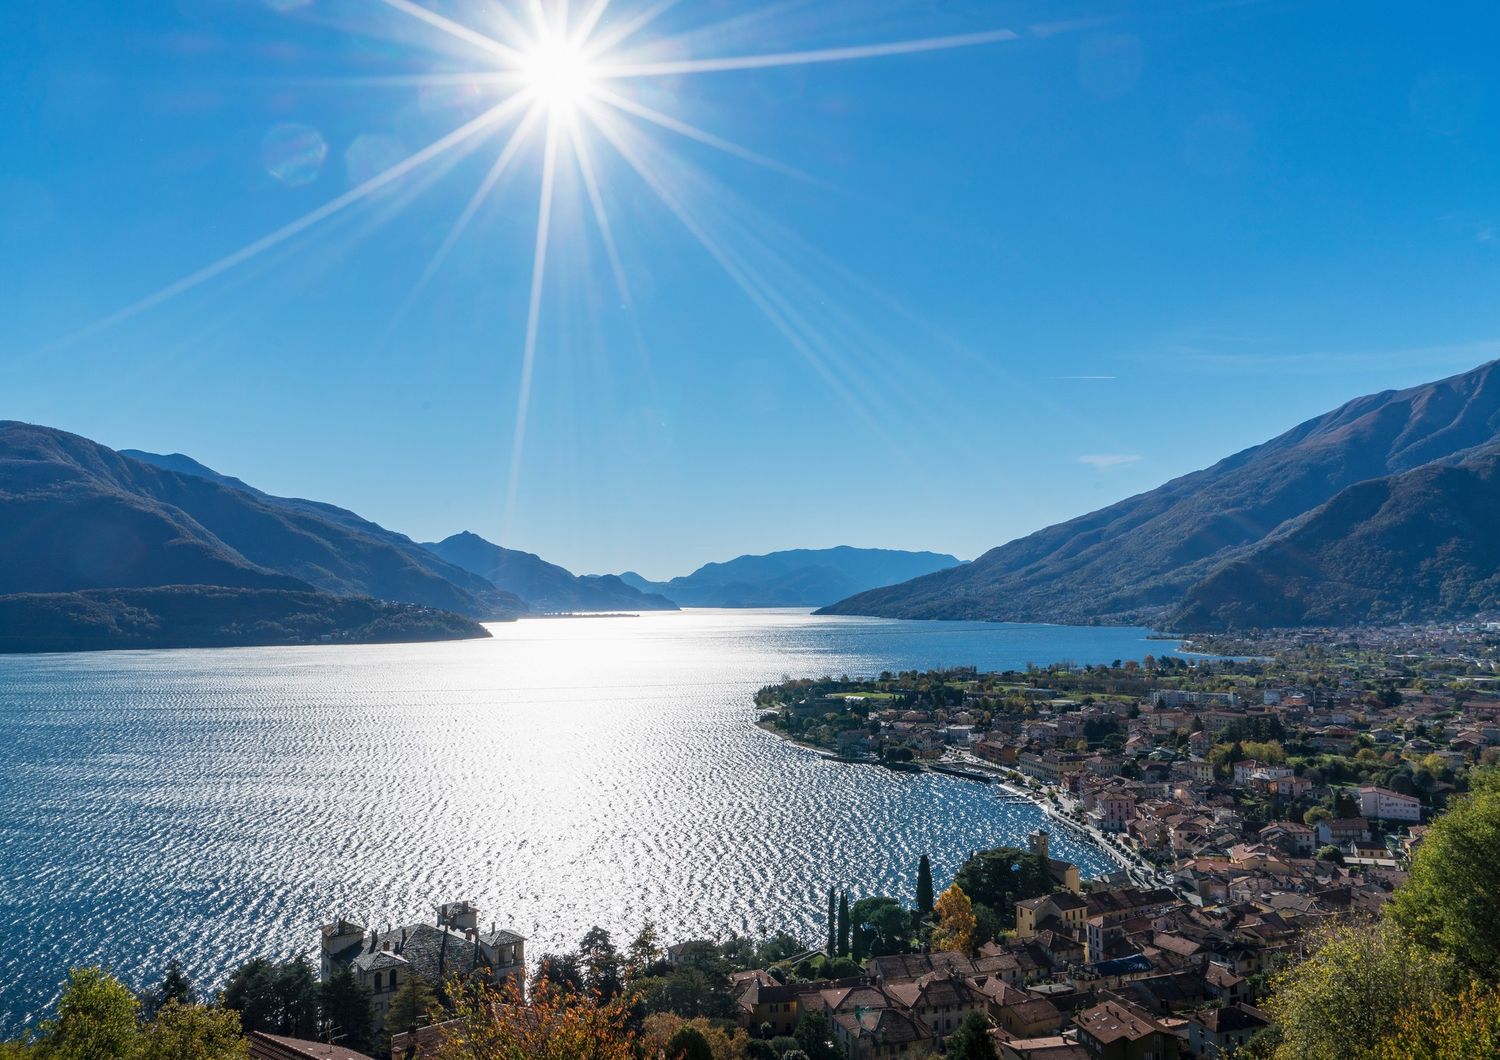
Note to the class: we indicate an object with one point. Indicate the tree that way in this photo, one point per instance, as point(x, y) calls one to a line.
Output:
point(1451, 900)
point(814, 1036)
point(1316, 816)
point(1455, 1028)
point(192, 1032)
point(601, 964)
point(346, 1010)
point(96, 1019)
point(956, 922)
point(880, 927)
point(412, 1005)
point(1344, 999)
point(688, 1043)
point(971, 1041)
point(645, 950)
point(174, 986)
point(995, 880)
point(833, 925)
point(844, 924)
point(494, 1024)
point(1331, 853)
point(276, 998)
point(924, 886)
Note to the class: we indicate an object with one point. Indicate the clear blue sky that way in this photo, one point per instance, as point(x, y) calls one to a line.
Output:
point(1011, 282)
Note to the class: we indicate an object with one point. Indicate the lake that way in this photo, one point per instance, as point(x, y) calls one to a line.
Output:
point(220, 804)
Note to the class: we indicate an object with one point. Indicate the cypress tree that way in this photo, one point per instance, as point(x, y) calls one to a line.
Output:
point(833, 925)
point(924, 886)
point(844, 924)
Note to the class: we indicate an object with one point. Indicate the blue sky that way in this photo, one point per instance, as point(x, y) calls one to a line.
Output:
point(1006, 284)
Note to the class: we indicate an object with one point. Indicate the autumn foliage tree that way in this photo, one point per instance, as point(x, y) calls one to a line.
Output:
point(956, 921)
point(498, 1023)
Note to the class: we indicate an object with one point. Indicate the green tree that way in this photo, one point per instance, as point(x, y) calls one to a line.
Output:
point(1451, 900)
point(276, 998)
point(601, 964)
point(192, 1032)
point(688, 1043)
point(645, 950)
point(995, 880)
point(413, 1005)
point(96, 1019)
point(815, 1037)
point(924, 886)
point(346, 1010)
point(880, 927)
point(971, 1041)
point(844, 924)
point(1316, 816)
point(174, 986)
point(1344, 999)
point(833, 925)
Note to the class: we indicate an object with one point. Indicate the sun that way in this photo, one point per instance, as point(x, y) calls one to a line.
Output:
point(559, 74)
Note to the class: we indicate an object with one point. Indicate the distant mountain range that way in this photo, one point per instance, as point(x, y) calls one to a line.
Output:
point(1382, 510)
point(546, 586)
point(793, 578)
point(76, 516)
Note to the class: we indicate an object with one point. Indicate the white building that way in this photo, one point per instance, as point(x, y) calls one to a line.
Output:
point(1386, 805)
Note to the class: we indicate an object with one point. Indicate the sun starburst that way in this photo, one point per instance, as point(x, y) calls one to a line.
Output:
point(565, 86)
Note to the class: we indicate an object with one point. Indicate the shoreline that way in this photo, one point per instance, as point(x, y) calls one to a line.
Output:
point(1125, 861)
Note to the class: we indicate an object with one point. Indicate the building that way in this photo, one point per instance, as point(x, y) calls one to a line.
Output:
point(1118, 1030)
point(264, 1046)
point(1219, 1032)
point(1386, 805)
point(1173, 698)
point(453, 944)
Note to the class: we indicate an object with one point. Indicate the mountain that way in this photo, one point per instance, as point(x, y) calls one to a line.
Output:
point(1142, 558)
point(546, 586)
point(212, 616)
point(75, 515)
point(1408, 547)
point(793, 578)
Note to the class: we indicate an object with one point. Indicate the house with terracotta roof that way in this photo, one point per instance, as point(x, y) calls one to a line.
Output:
point(279, 1047)
point(1118, 1030)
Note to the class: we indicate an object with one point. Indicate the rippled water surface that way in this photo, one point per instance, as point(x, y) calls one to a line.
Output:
point(215, 805)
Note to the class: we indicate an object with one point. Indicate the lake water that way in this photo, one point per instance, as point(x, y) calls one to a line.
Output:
point(217, 805)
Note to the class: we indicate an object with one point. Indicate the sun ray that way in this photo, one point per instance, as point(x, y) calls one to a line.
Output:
point(821, 55)
point(533, 320)
point(613, 38)
point(457, 30)
point(742, 277)
point(361, 191)
point(692, 132)
point(601, 218)
point(590, 19)
point(496, 171)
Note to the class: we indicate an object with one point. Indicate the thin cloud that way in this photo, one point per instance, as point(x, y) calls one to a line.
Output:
point(1105, 461)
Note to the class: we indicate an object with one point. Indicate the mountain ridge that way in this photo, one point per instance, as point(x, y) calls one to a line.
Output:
point(544, 585)
point(798, 577)
point(1137, 560)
